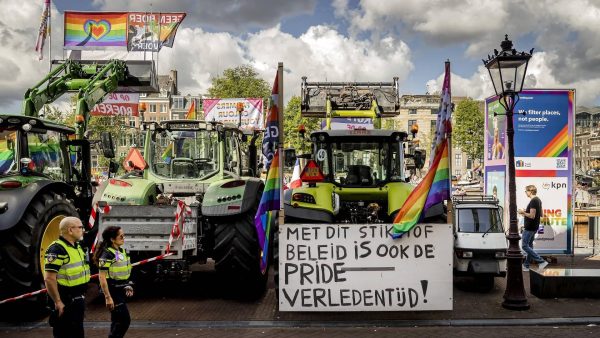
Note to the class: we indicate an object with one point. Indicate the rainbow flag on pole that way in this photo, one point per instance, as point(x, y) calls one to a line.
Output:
point(167, 153)
point(268, 209)
point(435, 187)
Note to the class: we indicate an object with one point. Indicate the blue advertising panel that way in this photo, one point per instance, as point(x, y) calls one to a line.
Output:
point(544, 125)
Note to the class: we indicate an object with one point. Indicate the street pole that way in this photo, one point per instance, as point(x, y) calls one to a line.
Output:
point(507, 70)
point(514, 295)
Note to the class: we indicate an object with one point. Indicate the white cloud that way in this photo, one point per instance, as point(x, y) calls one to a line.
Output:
point(232, 16)
point(321, 53)
point(19, 64)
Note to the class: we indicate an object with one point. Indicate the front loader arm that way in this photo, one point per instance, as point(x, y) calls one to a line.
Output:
point(106, 80)
point(60, 80)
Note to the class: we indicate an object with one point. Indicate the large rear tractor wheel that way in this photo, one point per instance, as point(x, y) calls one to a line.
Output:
point(23, 247)
point(237, 256)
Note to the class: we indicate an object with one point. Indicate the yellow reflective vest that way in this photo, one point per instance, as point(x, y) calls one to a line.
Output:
point(75, 271)
point(119, 268)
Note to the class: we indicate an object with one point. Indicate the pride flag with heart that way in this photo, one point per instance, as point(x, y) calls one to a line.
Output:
point(95, 29)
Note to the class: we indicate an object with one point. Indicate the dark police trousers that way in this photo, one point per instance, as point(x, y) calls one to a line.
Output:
point(70, 324)
point(119, 316)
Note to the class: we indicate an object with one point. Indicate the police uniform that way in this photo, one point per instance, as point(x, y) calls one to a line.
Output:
point(118, 267)
point(70, 263)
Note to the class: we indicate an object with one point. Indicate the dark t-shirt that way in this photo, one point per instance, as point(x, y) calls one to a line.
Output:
point(533, 224)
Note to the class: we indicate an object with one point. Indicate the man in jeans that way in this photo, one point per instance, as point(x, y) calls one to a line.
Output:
point(532, 223)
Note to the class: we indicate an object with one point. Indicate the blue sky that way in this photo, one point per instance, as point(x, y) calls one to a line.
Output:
point(344, 40)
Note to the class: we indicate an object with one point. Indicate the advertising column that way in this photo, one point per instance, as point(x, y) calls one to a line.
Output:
point(544, 124)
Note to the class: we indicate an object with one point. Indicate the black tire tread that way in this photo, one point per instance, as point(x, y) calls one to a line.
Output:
point(19, 246)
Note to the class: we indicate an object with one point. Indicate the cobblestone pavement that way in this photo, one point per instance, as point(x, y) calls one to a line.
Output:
point(447, 332)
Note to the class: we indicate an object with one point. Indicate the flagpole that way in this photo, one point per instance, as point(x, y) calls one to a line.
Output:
point(449, 214)
point(49, 31)
point(280, 142)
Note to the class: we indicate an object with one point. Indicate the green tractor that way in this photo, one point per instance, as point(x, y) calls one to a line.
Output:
point(200, 164)
point(45, 170)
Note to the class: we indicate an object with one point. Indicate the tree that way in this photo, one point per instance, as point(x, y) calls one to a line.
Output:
point(241, 81)
point(468, 132)
point(292, 120)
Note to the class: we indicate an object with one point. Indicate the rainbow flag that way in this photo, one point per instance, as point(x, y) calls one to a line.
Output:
point(95, 29)
point(191, 114)
point(268, 209)
point(271, 135)
point(433, 189)
point(7, 158)
point(168, 153)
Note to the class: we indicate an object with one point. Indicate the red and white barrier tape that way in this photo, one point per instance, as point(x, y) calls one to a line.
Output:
point(95, 211)
point(176, 231)
point(31, 294)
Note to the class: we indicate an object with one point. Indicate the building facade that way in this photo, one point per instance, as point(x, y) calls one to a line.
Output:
point(422, 110)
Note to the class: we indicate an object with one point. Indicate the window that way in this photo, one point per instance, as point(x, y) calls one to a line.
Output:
point(410, 123)
point(163, 107)
point(412, 111)
point(458, 160)
point(152, 118)
point(143, 94)
point(469, 164)
point(131, 123)
point(434, 111)
point(152, 108)
point(178, 103)
point(46, 154)
point(433, 127)
point(162, 118)
point(123, 140)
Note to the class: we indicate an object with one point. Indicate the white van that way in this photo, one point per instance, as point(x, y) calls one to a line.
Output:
point(480, 243)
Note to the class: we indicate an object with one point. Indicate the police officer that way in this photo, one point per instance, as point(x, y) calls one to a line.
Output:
point(67, 275)
point(115, 269)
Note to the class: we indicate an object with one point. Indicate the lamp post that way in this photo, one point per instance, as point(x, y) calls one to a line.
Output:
point(507, 69)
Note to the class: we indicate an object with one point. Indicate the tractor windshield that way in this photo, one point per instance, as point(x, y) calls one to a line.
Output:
point(187, 154)
point(45, 153)
point(7, 151)
point(366, 163)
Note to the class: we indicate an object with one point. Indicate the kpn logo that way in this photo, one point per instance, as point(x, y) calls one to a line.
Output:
point(520, 163)
point(554, 185)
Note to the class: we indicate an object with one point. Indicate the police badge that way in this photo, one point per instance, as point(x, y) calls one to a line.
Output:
point(50, 257)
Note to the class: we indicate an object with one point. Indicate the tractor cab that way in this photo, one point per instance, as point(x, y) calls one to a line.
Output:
point(360, 158)
point(33, 147)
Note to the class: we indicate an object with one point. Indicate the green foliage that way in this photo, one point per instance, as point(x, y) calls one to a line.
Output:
point(468, 131)
point(291, 120)
point(241, 81)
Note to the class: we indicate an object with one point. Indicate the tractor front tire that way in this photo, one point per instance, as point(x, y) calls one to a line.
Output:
point(237, 256)
point(23, 246)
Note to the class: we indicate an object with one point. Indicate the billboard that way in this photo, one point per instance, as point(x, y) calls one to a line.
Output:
point(225, 111)
point(543, 141)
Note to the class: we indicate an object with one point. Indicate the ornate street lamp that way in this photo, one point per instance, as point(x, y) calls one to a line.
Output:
point(507, 69)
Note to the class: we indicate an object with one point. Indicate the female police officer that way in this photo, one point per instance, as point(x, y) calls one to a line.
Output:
point(115, 268)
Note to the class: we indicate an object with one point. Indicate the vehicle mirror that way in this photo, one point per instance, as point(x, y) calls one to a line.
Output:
point(419, 158)
point(113, 167)
point(108, 149)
